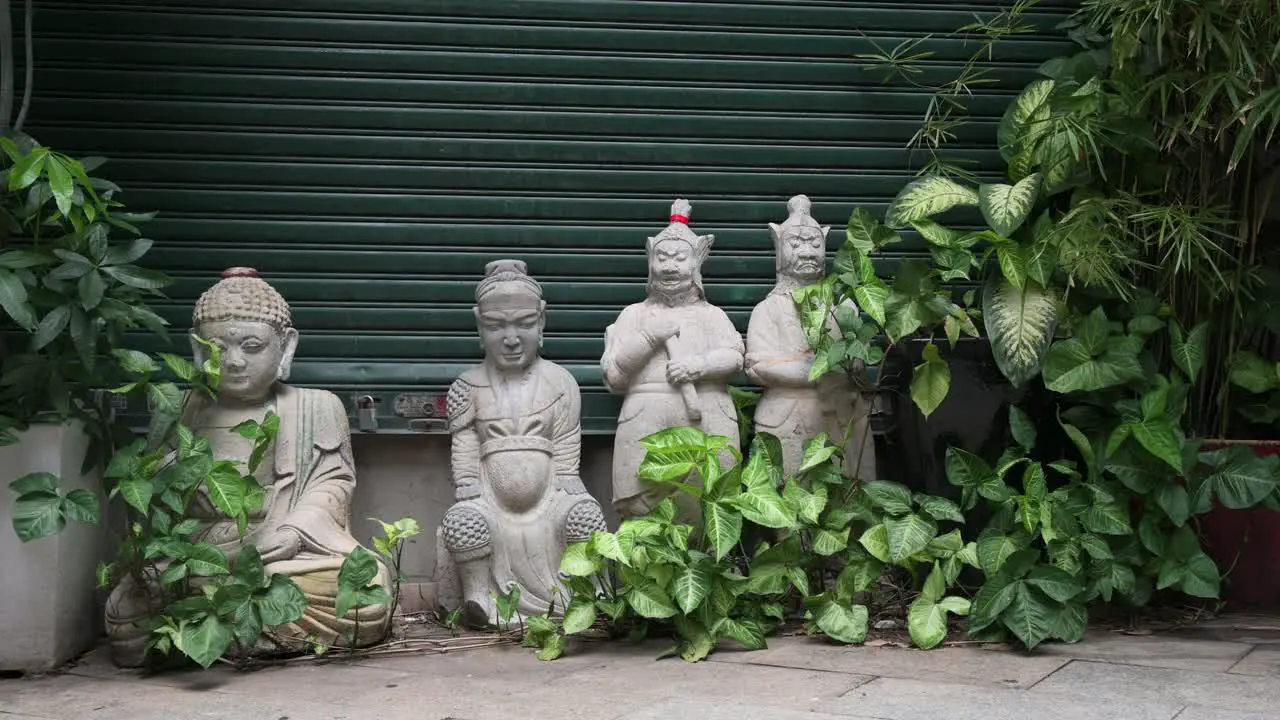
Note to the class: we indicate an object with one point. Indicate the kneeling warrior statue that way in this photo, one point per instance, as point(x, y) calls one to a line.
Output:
point(517, 435)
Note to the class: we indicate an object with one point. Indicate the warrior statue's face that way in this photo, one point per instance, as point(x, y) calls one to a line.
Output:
point(511, 319)
point(254, 356)
point(802, 253)
point(671, 267)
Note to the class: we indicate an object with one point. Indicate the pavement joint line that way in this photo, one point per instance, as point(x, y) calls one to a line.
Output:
point(1234, 665)
point(798, 669)
point(1049, 674)
point(1180, 712)
point(1104, 661)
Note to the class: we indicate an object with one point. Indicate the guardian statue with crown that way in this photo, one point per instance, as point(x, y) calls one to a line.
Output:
point(794, 408)
point(672, 357)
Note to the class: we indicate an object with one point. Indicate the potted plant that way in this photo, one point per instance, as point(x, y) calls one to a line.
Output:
point(69, 293)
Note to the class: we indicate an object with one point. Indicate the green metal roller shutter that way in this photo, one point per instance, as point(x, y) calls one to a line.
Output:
point(370, 156)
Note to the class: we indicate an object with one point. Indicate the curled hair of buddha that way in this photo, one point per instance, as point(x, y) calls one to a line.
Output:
point(242, 295)
point(507, 271)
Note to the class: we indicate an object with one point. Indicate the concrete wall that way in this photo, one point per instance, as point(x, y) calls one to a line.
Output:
point(408, 476)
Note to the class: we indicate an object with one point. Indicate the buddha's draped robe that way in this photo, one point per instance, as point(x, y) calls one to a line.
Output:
point(309, 491)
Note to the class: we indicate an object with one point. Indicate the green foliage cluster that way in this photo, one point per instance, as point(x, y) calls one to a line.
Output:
point(209, 602)
point(1115, 270)
point(827, 543)
point(69, 287)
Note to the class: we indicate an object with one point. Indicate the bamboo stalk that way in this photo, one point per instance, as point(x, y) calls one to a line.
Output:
point(6, 67)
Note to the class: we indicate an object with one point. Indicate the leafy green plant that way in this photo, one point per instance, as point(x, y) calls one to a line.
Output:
point(1116, 524)
point(390, 548)
point(42, 508)
point(69, 287)
point(1261, 380)
point(845, 315)
point(829, 542)
point(209, 600)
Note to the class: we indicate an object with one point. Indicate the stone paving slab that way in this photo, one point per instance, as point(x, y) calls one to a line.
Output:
point(79, 698)
point(1105, 677)
point(1250, 629)
point(900, 699)
point(1199, 712)
point(672, 709)
point(1166, 651)
point(1119, 684)
point(1263, 660)
point(947, 664)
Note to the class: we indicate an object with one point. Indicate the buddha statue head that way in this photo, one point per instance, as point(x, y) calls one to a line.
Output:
point(250, 322)
point(800, 243)
point(510, 314)
point(675, 259)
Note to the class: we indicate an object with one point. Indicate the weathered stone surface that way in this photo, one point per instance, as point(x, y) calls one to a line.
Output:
point(1262, 660)
point(515, 423)
point(1252, 629)
point(1122, 685)
point(672, 357)
point(962, 665)
point(1200, 712)
point(1167, 651)
point(793, 407)
point(901, 699)
point(708, 711)
point(303, 530)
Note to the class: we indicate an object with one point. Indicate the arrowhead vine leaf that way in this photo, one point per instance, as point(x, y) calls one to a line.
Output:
point(926, 197)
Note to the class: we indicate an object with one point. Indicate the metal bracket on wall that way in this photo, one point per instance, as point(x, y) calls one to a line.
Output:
point(426, 412)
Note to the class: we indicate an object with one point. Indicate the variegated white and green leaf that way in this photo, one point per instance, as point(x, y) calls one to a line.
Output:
point(926, 197)
point(1024, 122)
point(1056, 159)
point(1006, 207)
point(937, 234)
point(1020, 323)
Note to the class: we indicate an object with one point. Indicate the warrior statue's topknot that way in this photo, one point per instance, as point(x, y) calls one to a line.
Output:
point(242, 295)
point(798, 216)
point(681, 212)
point(502, 271)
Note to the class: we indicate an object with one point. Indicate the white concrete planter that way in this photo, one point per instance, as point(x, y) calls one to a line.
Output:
point(48, 608)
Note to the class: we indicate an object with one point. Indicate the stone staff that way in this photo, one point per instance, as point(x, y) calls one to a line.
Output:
point(687, 391)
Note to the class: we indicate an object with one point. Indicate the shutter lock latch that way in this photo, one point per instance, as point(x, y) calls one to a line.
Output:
point(366, 414)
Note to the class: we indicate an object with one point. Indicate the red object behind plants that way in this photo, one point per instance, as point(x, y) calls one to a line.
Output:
point(1246, 542)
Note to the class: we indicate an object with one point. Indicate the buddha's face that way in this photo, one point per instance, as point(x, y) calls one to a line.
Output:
point(511, 319)
point(802, 253)
point(671, 266)
point(254, 356)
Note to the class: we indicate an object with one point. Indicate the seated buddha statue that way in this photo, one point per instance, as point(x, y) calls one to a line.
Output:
point(302, 530)
point(515, 422)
